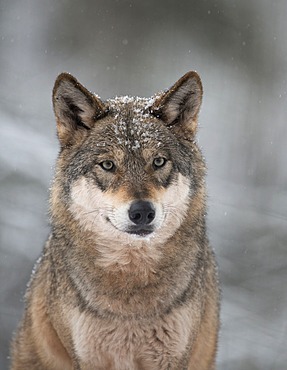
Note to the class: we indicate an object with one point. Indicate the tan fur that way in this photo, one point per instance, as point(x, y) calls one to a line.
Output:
point(110, 292)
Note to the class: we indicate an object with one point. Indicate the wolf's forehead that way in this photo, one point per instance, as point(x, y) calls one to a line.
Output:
point(126, 108)
point(133, 124)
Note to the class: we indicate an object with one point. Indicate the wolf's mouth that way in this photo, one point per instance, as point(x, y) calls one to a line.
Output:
point(140, 232)
point(143, 231)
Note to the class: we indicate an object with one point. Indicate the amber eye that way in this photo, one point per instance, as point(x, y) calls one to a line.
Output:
point(107, 165)
point(159, 162)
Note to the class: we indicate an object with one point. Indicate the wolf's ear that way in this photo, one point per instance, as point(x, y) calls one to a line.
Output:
point(179, 106)
point(76, 109)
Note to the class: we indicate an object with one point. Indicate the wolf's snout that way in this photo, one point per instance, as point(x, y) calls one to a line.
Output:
point(141, 212)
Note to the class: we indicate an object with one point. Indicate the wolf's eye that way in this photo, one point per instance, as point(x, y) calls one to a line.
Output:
point(159, 162)
point(107, 165)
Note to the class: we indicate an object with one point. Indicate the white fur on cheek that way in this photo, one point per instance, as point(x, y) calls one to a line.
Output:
point(175, 204)
point(89, 205)
point(98, 212)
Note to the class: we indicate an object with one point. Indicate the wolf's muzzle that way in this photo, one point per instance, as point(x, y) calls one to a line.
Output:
point(141, 213)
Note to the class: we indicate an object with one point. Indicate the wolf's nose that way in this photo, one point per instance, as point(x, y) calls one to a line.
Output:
point(141, 212)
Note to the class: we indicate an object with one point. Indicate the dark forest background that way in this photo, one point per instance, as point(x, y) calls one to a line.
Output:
point(138, 48)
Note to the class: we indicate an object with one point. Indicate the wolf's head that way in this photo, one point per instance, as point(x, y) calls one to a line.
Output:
point(129, 170)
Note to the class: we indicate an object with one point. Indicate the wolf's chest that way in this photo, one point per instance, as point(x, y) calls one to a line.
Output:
point(130, 344)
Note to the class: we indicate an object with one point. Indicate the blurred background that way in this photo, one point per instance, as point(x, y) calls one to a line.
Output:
point(138, 48)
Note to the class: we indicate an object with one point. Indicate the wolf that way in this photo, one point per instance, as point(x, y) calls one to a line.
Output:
point(127, 279)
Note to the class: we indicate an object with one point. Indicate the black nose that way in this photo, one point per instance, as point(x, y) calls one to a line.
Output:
point(141, 212)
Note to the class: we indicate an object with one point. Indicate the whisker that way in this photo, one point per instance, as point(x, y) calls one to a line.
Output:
point(173, 211)
point(107, 209)
point(88, 213)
